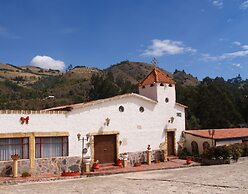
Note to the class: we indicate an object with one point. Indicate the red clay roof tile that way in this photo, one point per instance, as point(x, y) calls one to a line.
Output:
point(221, 133)
point(156, 76)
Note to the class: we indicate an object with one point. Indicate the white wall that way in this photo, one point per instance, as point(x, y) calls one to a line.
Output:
point(149, 91)
point(199, 140)
point(37, 123)
point(227, 142)
point(137, 129)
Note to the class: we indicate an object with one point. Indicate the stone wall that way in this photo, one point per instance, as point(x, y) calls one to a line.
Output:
point(57, 165)
point(6, 167)
point(42, 166)
point(141, 157)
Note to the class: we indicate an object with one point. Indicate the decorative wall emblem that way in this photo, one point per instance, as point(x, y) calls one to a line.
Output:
point(24, 120)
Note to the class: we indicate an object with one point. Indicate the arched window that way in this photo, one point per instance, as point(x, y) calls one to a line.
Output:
point(205, 145)
point(194, 148)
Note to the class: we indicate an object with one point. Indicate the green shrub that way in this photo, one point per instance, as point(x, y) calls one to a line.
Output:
point(245, 149)
point(182, 154)
point(225, 152)
point(219, 152)
point(234, 151)
point(209, 153)
point(25, 174)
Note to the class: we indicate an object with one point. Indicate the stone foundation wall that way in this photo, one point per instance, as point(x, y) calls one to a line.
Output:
point(57, 165)
point(141, 157)
point(42, 165)
point(6, 167)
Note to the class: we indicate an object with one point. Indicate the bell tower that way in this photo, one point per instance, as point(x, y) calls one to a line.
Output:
point(158, 86)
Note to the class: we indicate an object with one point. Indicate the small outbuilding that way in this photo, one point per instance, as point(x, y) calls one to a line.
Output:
point(196, 141)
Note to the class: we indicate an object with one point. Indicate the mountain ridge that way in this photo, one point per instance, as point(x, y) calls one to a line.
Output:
point(28, 87)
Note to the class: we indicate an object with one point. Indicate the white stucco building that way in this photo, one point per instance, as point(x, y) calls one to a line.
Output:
point(196, 141)
point(122, 124)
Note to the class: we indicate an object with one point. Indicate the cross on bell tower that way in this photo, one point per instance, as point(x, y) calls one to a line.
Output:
point(154, 62)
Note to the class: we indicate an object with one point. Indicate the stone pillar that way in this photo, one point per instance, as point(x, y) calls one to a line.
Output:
point(86, 164)
point(149, 155)
point(15, 158)
point(125, 162)
point(87, 167)
point(32, 154)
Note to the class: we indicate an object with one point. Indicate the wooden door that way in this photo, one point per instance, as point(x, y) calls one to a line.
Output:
point(171, 143)
point(105, 148)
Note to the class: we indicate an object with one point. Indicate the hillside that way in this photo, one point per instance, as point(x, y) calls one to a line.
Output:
point(184, 78)
point(29, 87)
point(24, 75)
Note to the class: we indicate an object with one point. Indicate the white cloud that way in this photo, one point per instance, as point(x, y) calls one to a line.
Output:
point(245, 47)
point(237, 65)
point(166, 47)
point(217, 3)
point(244, 5)
point(231, 55)
point(47, 62)
point(234, 54)
point(237, 43)
point(225, 56)
point(208, 57)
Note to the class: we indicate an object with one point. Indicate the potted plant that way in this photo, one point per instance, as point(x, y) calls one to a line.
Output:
point(96, 164)
point(15, 157)
point(188, 160)
point(119, 162)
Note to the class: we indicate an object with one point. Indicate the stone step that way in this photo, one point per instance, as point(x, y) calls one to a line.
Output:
point(104, 167)
point(169, 158)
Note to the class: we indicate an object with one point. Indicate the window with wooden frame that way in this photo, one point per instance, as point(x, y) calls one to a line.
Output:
point(11, 146)
point(51, 147)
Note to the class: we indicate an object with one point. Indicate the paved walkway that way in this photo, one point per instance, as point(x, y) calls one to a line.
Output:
point(175, 163)
point(219, 179)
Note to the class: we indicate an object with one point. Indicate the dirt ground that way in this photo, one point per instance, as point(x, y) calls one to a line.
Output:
point(231, 178)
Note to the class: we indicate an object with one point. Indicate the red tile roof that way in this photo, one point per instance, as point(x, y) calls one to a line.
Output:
point(157, 76)
point(221, 133)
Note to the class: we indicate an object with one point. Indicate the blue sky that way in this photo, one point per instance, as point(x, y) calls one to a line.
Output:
point(205, 38)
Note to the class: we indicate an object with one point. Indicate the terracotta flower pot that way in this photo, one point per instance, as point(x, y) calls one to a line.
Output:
point(15, 157)
point(96, 165)
point(188, 160)
point(119, 162)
